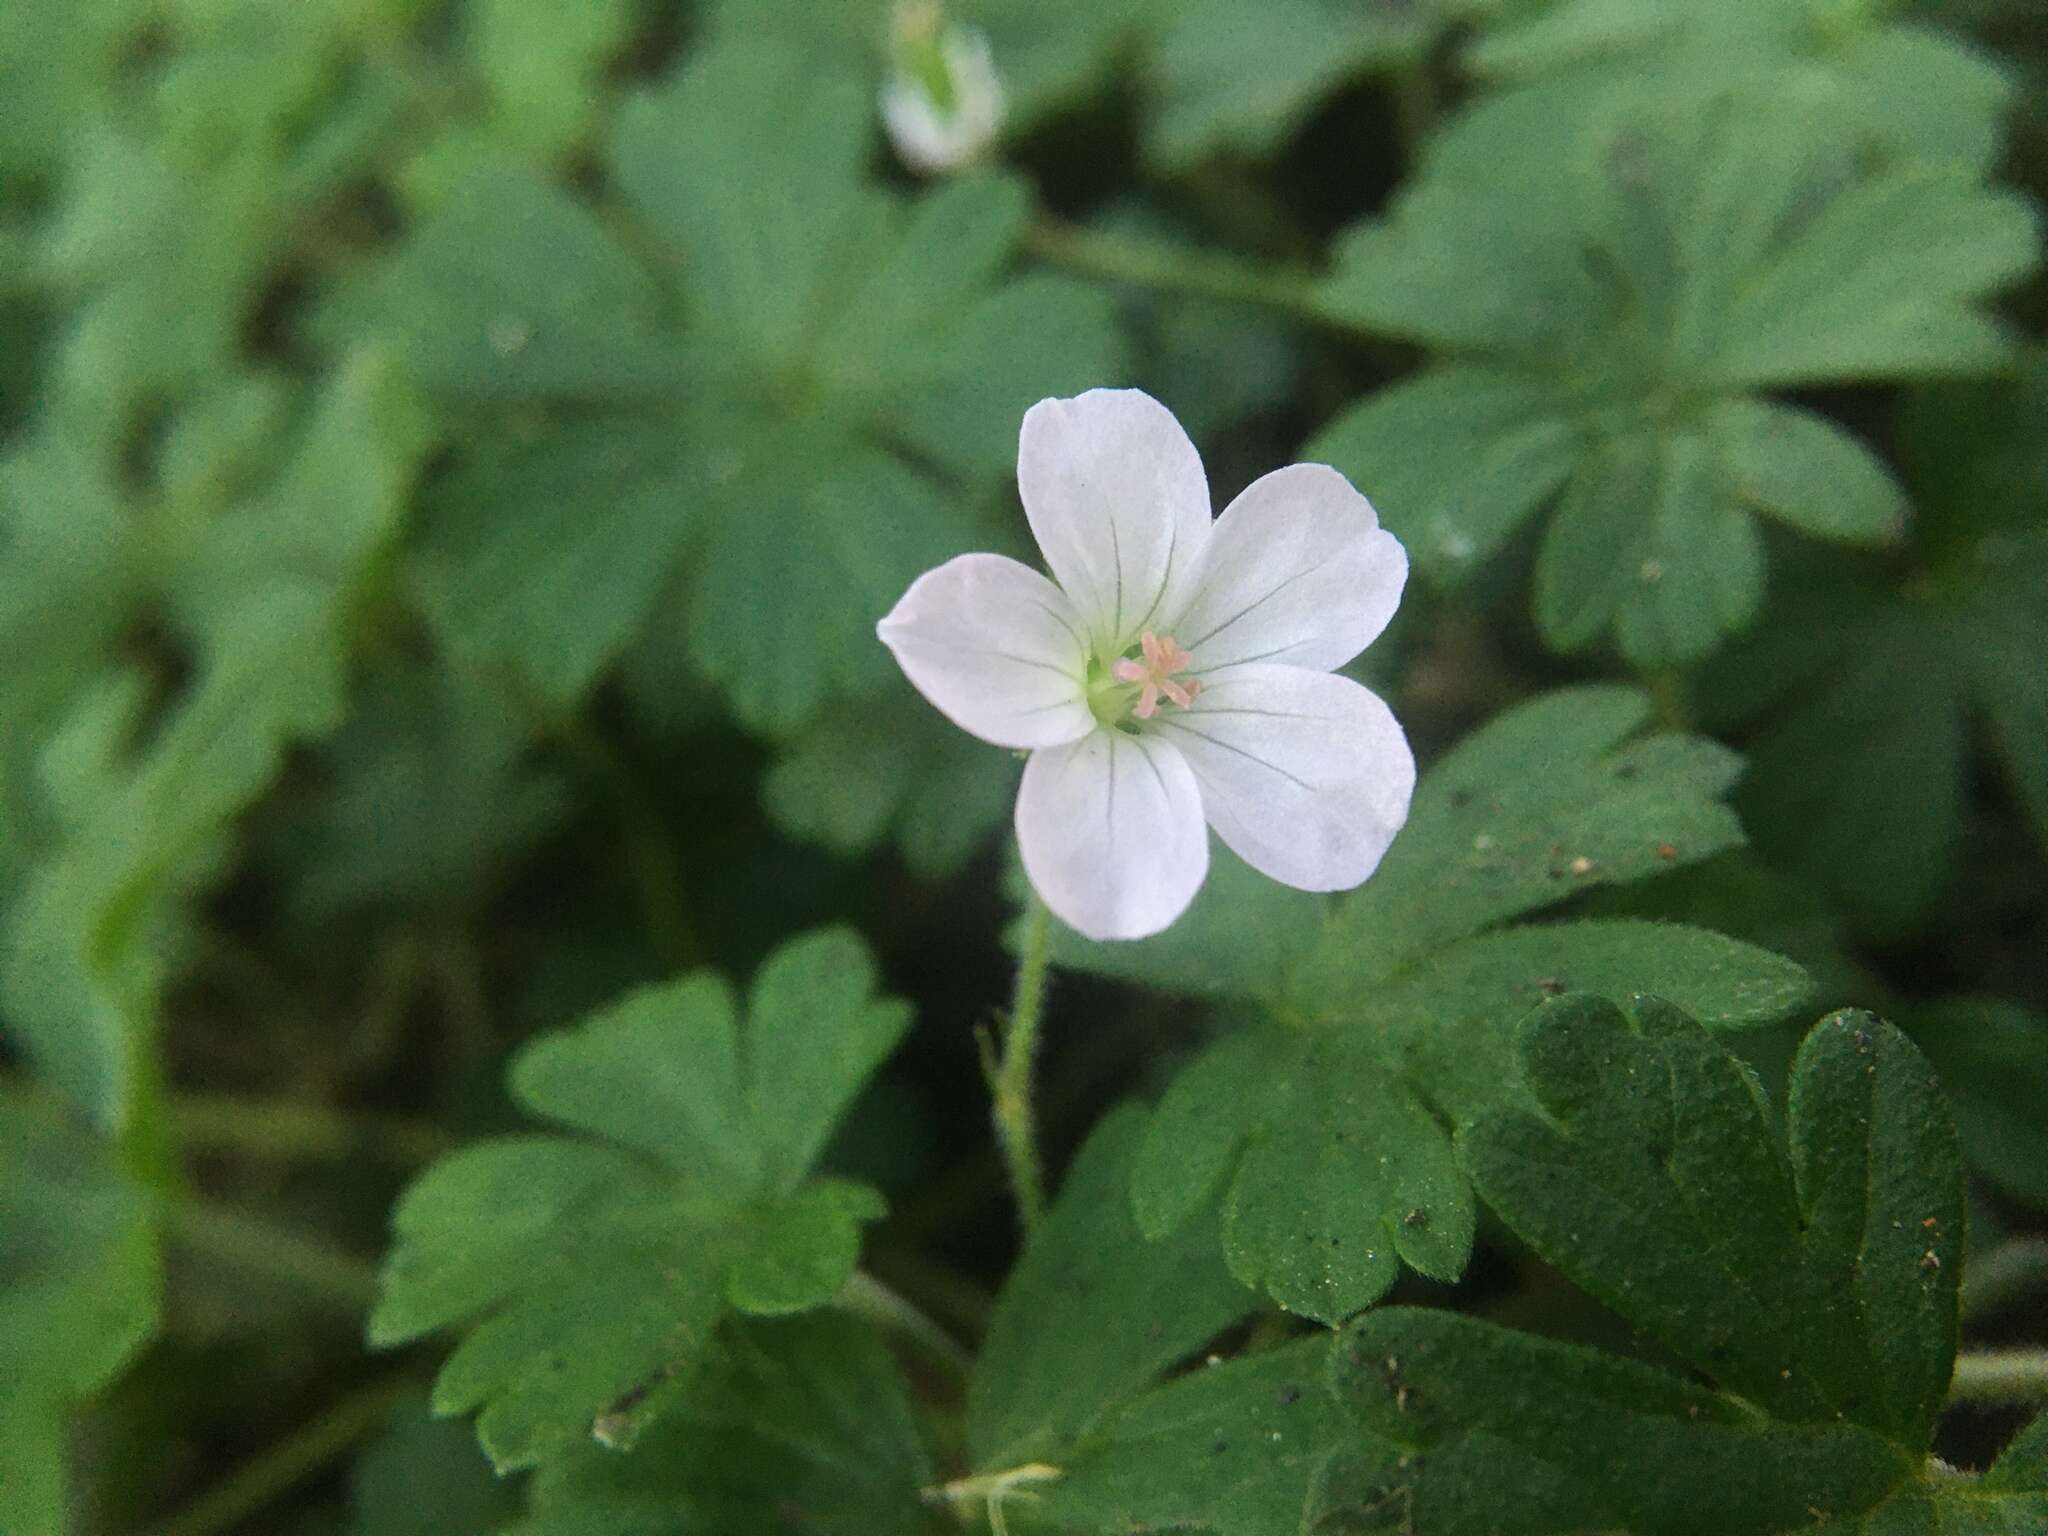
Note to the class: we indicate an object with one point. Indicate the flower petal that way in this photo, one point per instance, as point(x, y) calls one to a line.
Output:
point(1111, 832)
point(1299, 572)
point(1119, 504)
point(1306, 775)
point(997, 649)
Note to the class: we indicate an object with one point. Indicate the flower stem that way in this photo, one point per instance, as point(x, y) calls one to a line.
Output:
point(1195, 274)
point(2001, 1376)
point(1012, 1078)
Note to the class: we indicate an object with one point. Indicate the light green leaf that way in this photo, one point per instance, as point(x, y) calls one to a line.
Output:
point(590, 1273)
point(517, 543)
point(1456, 458)
point(1807, 472)
point(1092, 1313)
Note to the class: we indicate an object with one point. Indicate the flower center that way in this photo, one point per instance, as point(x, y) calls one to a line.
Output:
point(1154, 673)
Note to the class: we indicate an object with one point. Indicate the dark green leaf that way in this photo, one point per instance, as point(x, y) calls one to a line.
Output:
point(1819, 1282)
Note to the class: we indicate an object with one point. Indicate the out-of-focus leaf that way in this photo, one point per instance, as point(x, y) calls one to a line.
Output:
point(269, 597)
point(425, 1477)
point(589, 1270)
point(78, 1296)
point(428, 793)
point(1870, 687)
point(1615, 295)
point(755, 421)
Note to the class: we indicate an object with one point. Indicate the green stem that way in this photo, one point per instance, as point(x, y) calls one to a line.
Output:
point(282, 1129)
point(1197, 274)
point(866, 1297)
point(1013, 1077)
point(2005, 1276)
point(2001, 1376)
point(234, 1239)
point(285, 1465)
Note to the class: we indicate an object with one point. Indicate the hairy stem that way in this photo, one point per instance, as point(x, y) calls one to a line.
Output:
point(1013, 1075)
point(2001, 1376)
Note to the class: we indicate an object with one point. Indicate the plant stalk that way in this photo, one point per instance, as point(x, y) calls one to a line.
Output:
point(1014, 1075)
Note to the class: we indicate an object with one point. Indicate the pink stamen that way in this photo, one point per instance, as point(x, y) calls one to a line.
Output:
point(1155, 674)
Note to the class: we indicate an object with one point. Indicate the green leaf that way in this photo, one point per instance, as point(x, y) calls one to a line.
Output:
point(591, 1272)
point(424, 1477)
point(1817, 1279)
point(78, 1296)
point(428, 795)
point(510, 555)
point(1948, 638)
point(1451, 1016)
point(798, 1425)
point(1456, 457)
point(1807, 472)
point(514, 292)
point(1669, 264)
point(1230, 79)
point(270, 596)
point(1389, 1009)
point(1907, 91)
point(1506, 1431)
point(892, 766)
point(1993, 1060)
point(756, 419)
point(1245, 1446)
point(1092, 1313)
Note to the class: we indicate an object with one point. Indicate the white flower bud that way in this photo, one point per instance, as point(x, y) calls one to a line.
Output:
point(943, 105)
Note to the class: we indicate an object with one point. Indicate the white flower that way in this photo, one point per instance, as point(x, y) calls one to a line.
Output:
point(1180, 671)
point(943, 106)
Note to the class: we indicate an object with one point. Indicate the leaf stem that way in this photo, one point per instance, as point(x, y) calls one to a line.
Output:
point(1013, 1076)
point(276, 1471)
point(866, 1297)
point(1195, 274)
point(2001, 1376)
point(235, 1239)
point(281, 1128)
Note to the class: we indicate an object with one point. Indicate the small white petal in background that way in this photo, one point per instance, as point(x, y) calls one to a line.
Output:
point(943, 103)
point(1179, 674)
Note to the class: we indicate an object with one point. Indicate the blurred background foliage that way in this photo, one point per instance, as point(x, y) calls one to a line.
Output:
point(453, 453)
